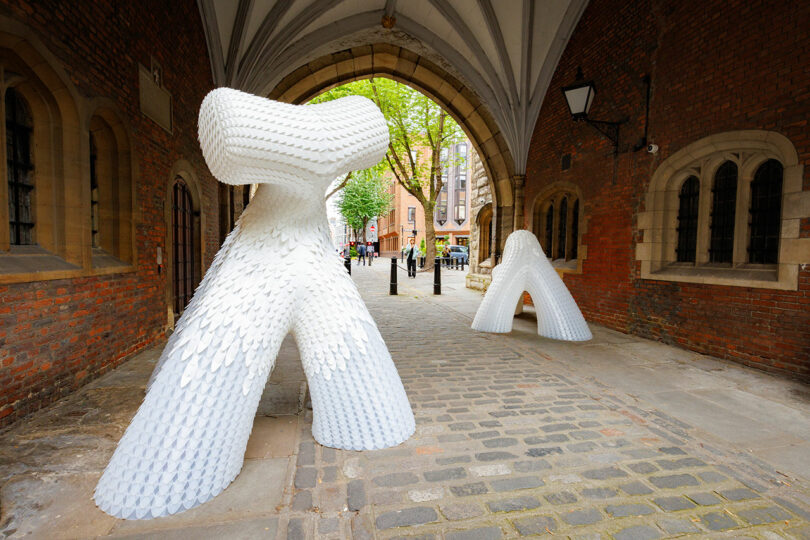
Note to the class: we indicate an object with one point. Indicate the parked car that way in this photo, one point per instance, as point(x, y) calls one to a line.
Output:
point(460, 252)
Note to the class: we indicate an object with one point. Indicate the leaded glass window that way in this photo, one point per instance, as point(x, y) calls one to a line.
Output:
point(561, 237)
point(20, 169)
point(575, 229)
point(721, 248)
point(766, 213)
point(688, 219)
point(94, 218)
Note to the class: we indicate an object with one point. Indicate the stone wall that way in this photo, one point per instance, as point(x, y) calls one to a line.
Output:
point(744, 70)
point(58, 334)
point(480, 196)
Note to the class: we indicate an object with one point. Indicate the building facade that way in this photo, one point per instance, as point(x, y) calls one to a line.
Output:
point(451, 215)
point(702, 240)
point(108, 214)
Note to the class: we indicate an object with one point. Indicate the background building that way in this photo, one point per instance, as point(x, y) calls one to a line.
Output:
point(450, 218)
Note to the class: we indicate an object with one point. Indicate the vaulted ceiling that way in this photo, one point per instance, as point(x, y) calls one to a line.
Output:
point(505, 51)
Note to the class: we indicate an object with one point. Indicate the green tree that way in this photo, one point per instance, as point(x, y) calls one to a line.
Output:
point(364, 196)
point(418, 130)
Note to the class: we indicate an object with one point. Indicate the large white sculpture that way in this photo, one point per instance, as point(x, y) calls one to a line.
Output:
point(524, 267)
point(276, 273)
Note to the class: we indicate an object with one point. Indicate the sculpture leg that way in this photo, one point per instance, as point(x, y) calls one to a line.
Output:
point(558, 316)
point(187, 441)
point(497, 309)
point(358, 400)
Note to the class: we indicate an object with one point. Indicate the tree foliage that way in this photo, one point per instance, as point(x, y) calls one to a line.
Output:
point(365, 196)
point(418, 130)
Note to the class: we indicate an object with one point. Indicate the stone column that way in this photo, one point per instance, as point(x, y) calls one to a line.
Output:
point(519, 180)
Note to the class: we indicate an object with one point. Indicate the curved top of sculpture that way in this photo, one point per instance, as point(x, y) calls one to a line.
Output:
point(316, 142)
point(524, 267)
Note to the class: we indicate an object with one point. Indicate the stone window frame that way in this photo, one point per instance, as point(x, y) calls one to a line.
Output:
point(658, 222)
point(117, 190)
point(183, 170)
point(485, 243)
point(61, 158)
point(554, 194)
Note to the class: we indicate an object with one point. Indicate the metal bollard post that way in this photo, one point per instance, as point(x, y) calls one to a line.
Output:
point(462, 265)
point(393, 288)
point(437, 276)
point(347, 262)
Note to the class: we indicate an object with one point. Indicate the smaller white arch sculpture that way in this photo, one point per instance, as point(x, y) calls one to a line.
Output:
point(524, 267)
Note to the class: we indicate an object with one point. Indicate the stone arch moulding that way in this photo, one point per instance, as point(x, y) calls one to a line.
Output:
point(182, 169)
point(28, 66)
point(542, 197)
point(407, 67)
point(125, 173)
point(658, 222)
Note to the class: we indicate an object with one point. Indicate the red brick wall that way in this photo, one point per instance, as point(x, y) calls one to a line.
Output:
point(716, 65)
point(58, 335)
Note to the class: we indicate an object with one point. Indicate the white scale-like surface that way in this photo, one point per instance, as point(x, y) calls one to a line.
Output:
point(276, 273)
point(524, 267)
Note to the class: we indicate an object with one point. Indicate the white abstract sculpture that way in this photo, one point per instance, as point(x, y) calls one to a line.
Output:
point(524, 267)
point(276, 273)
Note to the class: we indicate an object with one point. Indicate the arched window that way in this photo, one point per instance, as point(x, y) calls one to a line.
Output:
point(111, 193)
point(19, 126)
point(575, 230)
point(556, 220)
point(724, 202)
point(549, 231)
point(184, 253)
point(766, 213)
point(485, 233)
point(688, 219)
point(746, 186)
point(561, 229)
point(94, 219)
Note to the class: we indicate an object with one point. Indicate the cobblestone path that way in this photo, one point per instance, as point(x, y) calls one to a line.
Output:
point(508, 444)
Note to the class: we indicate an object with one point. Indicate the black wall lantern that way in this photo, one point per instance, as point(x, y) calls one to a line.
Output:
point(579, 97)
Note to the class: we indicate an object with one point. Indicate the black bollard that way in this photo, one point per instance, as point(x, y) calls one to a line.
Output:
point(437, 276)
point(393, 289)
point(462, 265)
point(347, 262)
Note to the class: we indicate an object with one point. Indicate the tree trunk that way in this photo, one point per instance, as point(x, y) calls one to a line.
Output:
point(430, 241)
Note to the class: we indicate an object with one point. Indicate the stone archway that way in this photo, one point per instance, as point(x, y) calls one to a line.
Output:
point(407, 67)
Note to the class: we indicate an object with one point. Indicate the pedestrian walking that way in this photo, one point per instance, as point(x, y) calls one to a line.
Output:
point(411, 253)
point(361, 253)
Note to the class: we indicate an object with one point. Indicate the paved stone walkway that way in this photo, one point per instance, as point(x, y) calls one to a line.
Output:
point(510, 442)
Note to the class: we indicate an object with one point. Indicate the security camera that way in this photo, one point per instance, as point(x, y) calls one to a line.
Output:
point(652, 148)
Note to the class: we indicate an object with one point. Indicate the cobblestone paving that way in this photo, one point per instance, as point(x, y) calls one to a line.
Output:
point(509, 445)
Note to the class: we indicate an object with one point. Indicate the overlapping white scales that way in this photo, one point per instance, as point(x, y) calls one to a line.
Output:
point(276, 273)
point(524, 267)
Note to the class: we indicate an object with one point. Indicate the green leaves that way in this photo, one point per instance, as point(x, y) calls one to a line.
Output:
point(365, 196)
point(418, 130)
